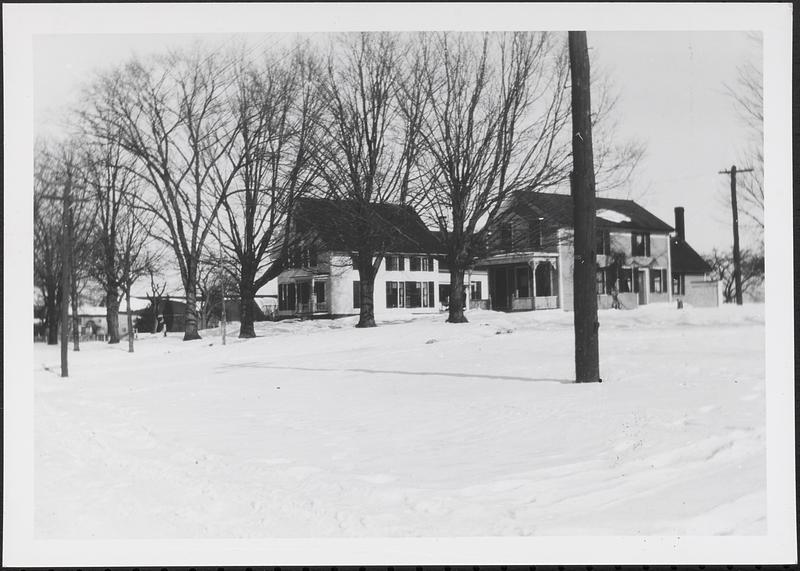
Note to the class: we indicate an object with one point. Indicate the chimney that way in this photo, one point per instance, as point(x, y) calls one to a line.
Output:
point(680, 231)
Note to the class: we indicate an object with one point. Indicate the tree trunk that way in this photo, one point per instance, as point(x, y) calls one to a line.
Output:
point(130, 320)
point(76, 320)
point(366, 275)
point(246, 300)
point(587, 367)
point(112, 314)
point(190, 317)
point(456, 306)
point(154, 303)
point(52, 305)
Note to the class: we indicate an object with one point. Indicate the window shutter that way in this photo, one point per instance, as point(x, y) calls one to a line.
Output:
point(356, 294)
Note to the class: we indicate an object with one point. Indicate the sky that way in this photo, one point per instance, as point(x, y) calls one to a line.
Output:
point(671, 89)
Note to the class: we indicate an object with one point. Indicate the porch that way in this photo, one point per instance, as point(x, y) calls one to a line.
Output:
point(527, 284)
point(303, 294)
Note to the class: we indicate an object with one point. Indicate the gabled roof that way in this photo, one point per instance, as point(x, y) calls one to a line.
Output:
point(397, 227)
point(556, 210)
point(685, 259)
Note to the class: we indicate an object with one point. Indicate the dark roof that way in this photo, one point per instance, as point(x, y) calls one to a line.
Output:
point(685, 259)
point(556, 209)
point(396, 228)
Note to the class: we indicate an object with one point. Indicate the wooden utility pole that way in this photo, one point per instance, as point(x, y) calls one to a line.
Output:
point(737, 269)
point(587, 365)
point(223, 316)
point(66, 264)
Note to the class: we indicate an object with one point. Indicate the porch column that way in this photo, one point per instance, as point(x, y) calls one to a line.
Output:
point(312, 298)
point(533, 264)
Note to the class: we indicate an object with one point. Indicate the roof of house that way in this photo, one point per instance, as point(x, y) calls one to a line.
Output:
point(685, 259)
point(397, 227)
point(612, 213)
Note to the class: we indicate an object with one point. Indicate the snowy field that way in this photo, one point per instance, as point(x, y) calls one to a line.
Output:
point(415, 428)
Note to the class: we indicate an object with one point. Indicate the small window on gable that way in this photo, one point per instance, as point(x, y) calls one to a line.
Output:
point(640, 244)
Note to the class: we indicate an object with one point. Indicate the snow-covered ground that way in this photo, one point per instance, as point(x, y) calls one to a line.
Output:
point(415, 428)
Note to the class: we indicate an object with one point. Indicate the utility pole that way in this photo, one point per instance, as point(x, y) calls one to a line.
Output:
point(223, 319)
point(737, 269)
point(587, 365)
point(66, 262)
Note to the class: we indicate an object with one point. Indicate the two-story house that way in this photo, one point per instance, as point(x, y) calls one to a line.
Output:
point(324, 279)
point(530, 261)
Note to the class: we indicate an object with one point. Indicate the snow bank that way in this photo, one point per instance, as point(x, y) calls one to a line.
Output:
point(316, 428)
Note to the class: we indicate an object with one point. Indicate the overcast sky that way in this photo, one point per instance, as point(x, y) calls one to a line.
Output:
point(671, 87)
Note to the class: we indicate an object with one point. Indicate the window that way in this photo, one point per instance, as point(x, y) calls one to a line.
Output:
point(319, 291)
point(418, 294)
point(506, 236)
point(354, 259)
point(601, 282)
point(626, 280)
point(603, 246)
point(678, 284)
point(286, 297)
point(640, 244)
point(421, 263)
point(312, 257)
point(444, 293)
point(391, 294)
point(394, 263)
point(475, 290)
point(535, 230)
point(658, 280)
point(356, 294)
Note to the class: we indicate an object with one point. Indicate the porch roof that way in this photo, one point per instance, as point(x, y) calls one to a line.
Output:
point(515, 258)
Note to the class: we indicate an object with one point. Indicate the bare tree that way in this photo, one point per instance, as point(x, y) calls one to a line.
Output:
point(170, 113)
point(278, 108)
point(112, 182)
point(369, 156)
point(496, 108)
point(155, 294)
point(64, 218)
point(748, 96)
point(135, 260)
point(47, 225)
point(722, 266)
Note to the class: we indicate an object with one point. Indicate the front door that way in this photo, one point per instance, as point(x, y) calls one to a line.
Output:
point(500, 297)
point(303, 297)
point(642, 283)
